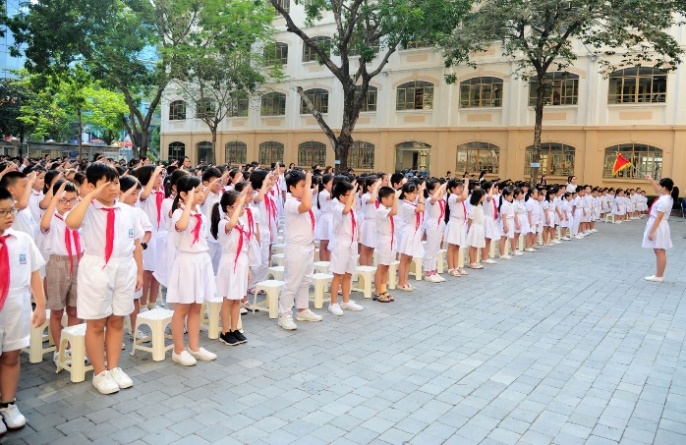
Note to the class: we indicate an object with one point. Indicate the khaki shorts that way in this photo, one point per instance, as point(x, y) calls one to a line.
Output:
point(61, 282)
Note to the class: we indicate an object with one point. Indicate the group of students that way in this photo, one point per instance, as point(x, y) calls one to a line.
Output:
point(113, 238)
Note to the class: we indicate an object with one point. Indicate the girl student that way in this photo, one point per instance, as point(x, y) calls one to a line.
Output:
point(344, 243)
point(385, 213)
point(411, 211)
point(557, 213)
point(490, 211)
point(521, 218)
point(151, 199)
point(266, 210)
point(129, 189)
point(323, 203)
point(64, 248)
point(456, 225)
point(250, 222)
point(566, 219)
point(657, 234)
point(548, 208)
point(531, 210)
point(368, 203)
point(191, 279)
point(234, 265)
point(475, 235)
point(507, 224)
point(434, 226)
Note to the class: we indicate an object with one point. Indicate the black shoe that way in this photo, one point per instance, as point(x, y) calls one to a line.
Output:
point(229, 339)
point(240, 337)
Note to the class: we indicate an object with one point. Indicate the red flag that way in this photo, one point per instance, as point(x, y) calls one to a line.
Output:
point(620, 164)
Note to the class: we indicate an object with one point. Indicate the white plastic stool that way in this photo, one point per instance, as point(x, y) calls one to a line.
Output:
point(321, 282)
point(277, 259)
point(440, 264)
point(610, 217)
point(393, 275)
point(76, 336)
point(278, 248)
point(520, 244)
point(321, 267)
point(416, 268)
point(365, 279)
point(275, 272)
point(36, 340)
point(272, 288)
point(157, 320)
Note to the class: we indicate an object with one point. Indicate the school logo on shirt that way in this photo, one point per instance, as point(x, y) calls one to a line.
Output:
point(22, 258)
point(130, 233)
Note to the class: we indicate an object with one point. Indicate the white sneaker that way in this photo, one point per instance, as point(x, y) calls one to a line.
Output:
point(183, 359)
point(439, 277)
point(655, 279)
point(308, 315)
point(3, 428)
point(351, 306)
point(506, 257)
point(104, 383)
point(490, 261)
point(434, 279)
point(335, 309)
point(579, 236)
point(122, 380)
point(566, 238)
point(286, 322)
point(243, 310)
point(203, 355)
point(12, 417)
point(530, 249)
point(557, 241)
point(140, 335)
point(518, 253)
point(594, 230)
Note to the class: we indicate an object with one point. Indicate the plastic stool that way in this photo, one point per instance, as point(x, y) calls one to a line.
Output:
point(365, 278)
point(610, 217)
point(275, 272)
point(416, 268)
point(393, 275)
point(272, 288)
point(157, 319)
point(321, 267)
point(277, 259)
point(36, 349)
point(278, 248)
point(321, 282)
point(210, 318)
point(76, 336)
point(440, 264)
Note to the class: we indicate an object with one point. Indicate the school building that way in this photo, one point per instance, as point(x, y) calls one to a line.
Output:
point(484, 121)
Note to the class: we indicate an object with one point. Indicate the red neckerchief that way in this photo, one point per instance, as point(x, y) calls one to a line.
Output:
point(271, 208)
point(196, 229)
point(251, 223)
point(392, 231)
point(109, 234)
point(495, 209)
point(159, 197)
point(4, 271)
point(441, 204)
point(241, 233)
point(417, 216)
point(354, 223)
point(68, 235)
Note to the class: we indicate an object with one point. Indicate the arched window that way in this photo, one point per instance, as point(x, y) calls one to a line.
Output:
point(361, 155)
point(236, 152)
point(646, 158)
point(561, 88)
point(177, 110)
point(176, 150)
point(416, 95)
point(319, 98)
point(481, 92)
point(638, 85)
point(238, 105)
point(204, 109)
point(324, 42)
point(311, 153)
point(478, 156)
point(276, 53)
point(273, 104)
point(556, 159)
point(369, 104)
point(205, 153)
point(270, 151)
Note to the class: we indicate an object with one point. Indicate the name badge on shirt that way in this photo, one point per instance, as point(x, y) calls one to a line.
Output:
point(22, 258)
point(130, 233)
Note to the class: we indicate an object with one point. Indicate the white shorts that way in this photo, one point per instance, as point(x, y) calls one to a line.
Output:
point(15, 321)
point(105, 291)
point(385, 255)
point(343, 258)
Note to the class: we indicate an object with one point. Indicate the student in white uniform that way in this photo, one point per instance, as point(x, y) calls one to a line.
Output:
point(506, 223)
point(456, 227)
point(657, 234)
point(323, 203)
point(385, 234)
point(191, 279)
point(475, 231)
point(64, 249)
point(20, 261)
point(298, 252)
point(167, 248)
point(266, 210)
point(368, 203)
point(521, 218)
point(110, 271)
point(411, 211)
point(434, 226)
point(212, 180)
point(490, 209)
point(578, 213)
point(250, 222)
point(20, 186)
point(531, 205)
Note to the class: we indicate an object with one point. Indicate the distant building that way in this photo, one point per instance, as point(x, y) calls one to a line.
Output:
point(7, 62)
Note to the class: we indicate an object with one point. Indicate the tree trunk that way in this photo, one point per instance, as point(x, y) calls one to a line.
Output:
point(214, 146)
point(143, 147)
point(538, 127)
point(80, 137)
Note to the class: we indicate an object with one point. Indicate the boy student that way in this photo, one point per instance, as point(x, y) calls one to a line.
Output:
point(384, 212)
point(299, 259)
point(110, 271)
point(212, 182)
point(20, 261)
point(20, 186)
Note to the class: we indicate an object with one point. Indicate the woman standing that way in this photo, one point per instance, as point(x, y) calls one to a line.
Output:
point(657, 234)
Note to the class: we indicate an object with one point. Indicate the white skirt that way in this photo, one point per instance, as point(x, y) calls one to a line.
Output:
point(475, 237)
point(523, 224)
point(663, 239)
point(456, 232)
point(151, 255)
point(510, 227)
point(165, 259)
point(191, 279)
point(491, 229)
point(232, 276)
point(322, 228)
point(368, 233)
point(411, 242)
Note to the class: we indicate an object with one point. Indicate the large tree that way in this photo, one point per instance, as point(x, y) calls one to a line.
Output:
point(126, 44)
point(367, 33)
point(539, 38)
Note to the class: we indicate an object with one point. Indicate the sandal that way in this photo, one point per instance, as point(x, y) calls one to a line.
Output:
point(462, 271)
point(406, 288)
point(476, 266)
point(383, 298)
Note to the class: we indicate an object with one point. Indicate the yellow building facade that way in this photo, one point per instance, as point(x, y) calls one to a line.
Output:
point(484, 121)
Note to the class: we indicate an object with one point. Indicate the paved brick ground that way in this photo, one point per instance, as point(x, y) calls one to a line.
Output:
point(568, 345)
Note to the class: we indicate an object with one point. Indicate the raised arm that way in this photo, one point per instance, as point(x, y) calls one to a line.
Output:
point(306, 202)
point(438, 194)
point(23, 201)
point(50, 210)
point(148, 187)
point(75, 217)
point(350, 201)
point(183, 222)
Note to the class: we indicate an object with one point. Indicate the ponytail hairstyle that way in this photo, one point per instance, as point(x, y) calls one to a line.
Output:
point(516, 192)
point(529, 195)
point(408, 187)
point(431, 184)
point(341, 188)
point(368, 183)
point(507, 191)
point(322, 185)
point(453, 183)
point(171, 180)
point(184, 185)
point(228, 199)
